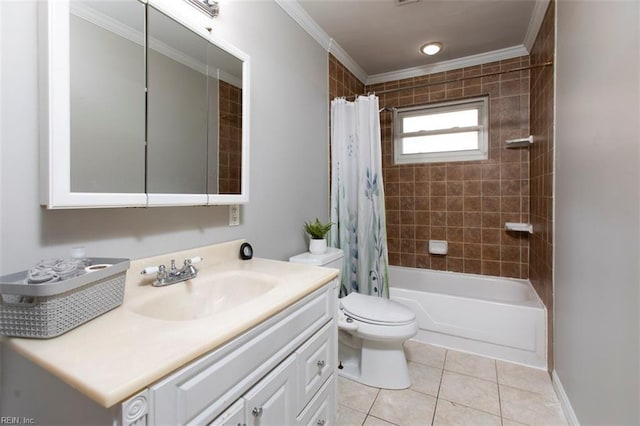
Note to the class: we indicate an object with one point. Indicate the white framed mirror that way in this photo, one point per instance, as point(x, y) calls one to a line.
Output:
point(141, 106)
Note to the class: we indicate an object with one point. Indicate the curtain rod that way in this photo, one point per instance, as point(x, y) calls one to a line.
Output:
point(418, 86)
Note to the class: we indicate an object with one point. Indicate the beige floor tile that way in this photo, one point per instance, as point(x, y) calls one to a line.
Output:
point(526, 378)
point(404, 407)
point(530, 408)
point(449, 413)
point(374, 421)
point(349, 417)
point(424, 354)
point(470, 391)
point(355, 395)
point(471, 365)
point(424, 379)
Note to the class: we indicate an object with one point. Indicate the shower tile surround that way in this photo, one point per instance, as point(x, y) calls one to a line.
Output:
point(230, 151)
point(450, 387)
point(342, 82)
point(541, 172)
point(465, 203)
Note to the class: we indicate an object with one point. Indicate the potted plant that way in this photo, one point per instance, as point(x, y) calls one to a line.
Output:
point(317, 232)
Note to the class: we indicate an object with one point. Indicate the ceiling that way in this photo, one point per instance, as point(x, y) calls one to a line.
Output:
point(383, 37)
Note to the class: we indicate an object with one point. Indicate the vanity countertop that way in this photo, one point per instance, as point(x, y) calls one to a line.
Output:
point(121, 352)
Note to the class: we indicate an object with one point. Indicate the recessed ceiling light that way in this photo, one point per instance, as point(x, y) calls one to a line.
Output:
point(431, 48)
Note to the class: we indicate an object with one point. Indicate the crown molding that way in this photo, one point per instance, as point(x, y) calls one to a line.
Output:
point(539, 10)
point(293, 8)
point(91, 15)
point(341, 55)
point(118, 28)
point(298, 14)
point(231, 79)
point(467, 61)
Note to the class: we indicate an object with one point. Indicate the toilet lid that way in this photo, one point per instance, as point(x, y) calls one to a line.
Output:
point(376, 310)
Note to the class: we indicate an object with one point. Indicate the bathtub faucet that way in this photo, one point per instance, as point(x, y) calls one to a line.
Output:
point(173, 275)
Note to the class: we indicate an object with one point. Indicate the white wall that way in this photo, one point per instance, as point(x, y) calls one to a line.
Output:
point(597, 197)
point(107, 137)
point(177, 126)
point(289, 152)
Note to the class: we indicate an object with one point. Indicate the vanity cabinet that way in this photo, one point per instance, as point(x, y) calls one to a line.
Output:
point(268, 403)
point(299, 391)
point(280, 372)
point(276, 369)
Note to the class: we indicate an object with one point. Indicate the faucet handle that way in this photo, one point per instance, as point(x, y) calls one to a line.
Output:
point(150, 270)
point(160, 269)
point(192, 260)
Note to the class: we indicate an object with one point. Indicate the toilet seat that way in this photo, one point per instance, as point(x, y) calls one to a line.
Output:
point(376, 310)
point(393, 321)
point(371, 333)
point(376, 332)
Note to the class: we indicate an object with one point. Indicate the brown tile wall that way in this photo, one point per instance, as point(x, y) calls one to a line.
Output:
point(541, 256)
point(230, 149)
point(465, 203)
point(341, 81)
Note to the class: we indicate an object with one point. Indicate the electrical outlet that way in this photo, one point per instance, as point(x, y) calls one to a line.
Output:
point(234, 215)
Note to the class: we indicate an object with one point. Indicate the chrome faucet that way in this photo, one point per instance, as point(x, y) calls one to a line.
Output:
point(174, 275)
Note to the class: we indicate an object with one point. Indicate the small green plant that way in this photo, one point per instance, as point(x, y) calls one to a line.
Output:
point(317, 230)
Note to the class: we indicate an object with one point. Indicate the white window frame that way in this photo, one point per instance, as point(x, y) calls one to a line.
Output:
point(481, 153)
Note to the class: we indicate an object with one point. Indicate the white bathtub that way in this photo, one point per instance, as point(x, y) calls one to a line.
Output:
point(497, 317)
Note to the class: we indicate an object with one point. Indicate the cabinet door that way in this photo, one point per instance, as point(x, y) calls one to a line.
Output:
point(233, 416)
point(321, 411)
point(92, 104)
point(273, 400)
point(315, 361)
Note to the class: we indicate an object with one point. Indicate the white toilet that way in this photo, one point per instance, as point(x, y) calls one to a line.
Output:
point(371, 332)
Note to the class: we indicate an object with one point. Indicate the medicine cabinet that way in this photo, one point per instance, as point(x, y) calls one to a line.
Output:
point(141, 105)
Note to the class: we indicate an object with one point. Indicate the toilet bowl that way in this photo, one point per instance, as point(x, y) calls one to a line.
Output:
point(371, 332)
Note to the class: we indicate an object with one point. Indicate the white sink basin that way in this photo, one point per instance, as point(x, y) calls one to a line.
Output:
point(204, 296)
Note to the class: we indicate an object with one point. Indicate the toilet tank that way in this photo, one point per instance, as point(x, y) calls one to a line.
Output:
point(333, 258)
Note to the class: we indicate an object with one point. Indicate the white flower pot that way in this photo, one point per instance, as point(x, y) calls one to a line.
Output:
point(318, 246)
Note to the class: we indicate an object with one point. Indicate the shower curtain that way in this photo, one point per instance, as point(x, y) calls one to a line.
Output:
point(357, 196)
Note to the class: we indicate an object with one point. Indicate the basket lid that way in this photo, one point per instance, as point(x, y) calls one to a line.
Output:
point(17, 284)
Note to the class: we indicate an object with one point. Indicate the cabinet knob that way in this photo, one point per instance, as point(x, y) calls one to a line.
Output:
point(256, 412)
point(320, 363)
point(321, 422)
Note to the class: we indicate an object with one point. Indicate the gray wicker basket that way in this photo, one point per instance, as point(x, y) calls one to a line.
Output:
point(49, 310)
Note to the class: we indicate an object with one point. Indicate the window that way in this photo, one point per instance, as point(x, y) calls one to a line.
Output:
point(446, 131)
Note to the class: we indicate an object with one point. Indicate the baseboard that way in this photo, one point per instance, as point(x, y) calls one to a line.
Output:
point(564, 400)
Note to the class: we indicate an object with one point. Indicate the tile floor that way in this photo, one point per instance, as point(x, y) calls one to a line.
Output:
point(454, 388)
